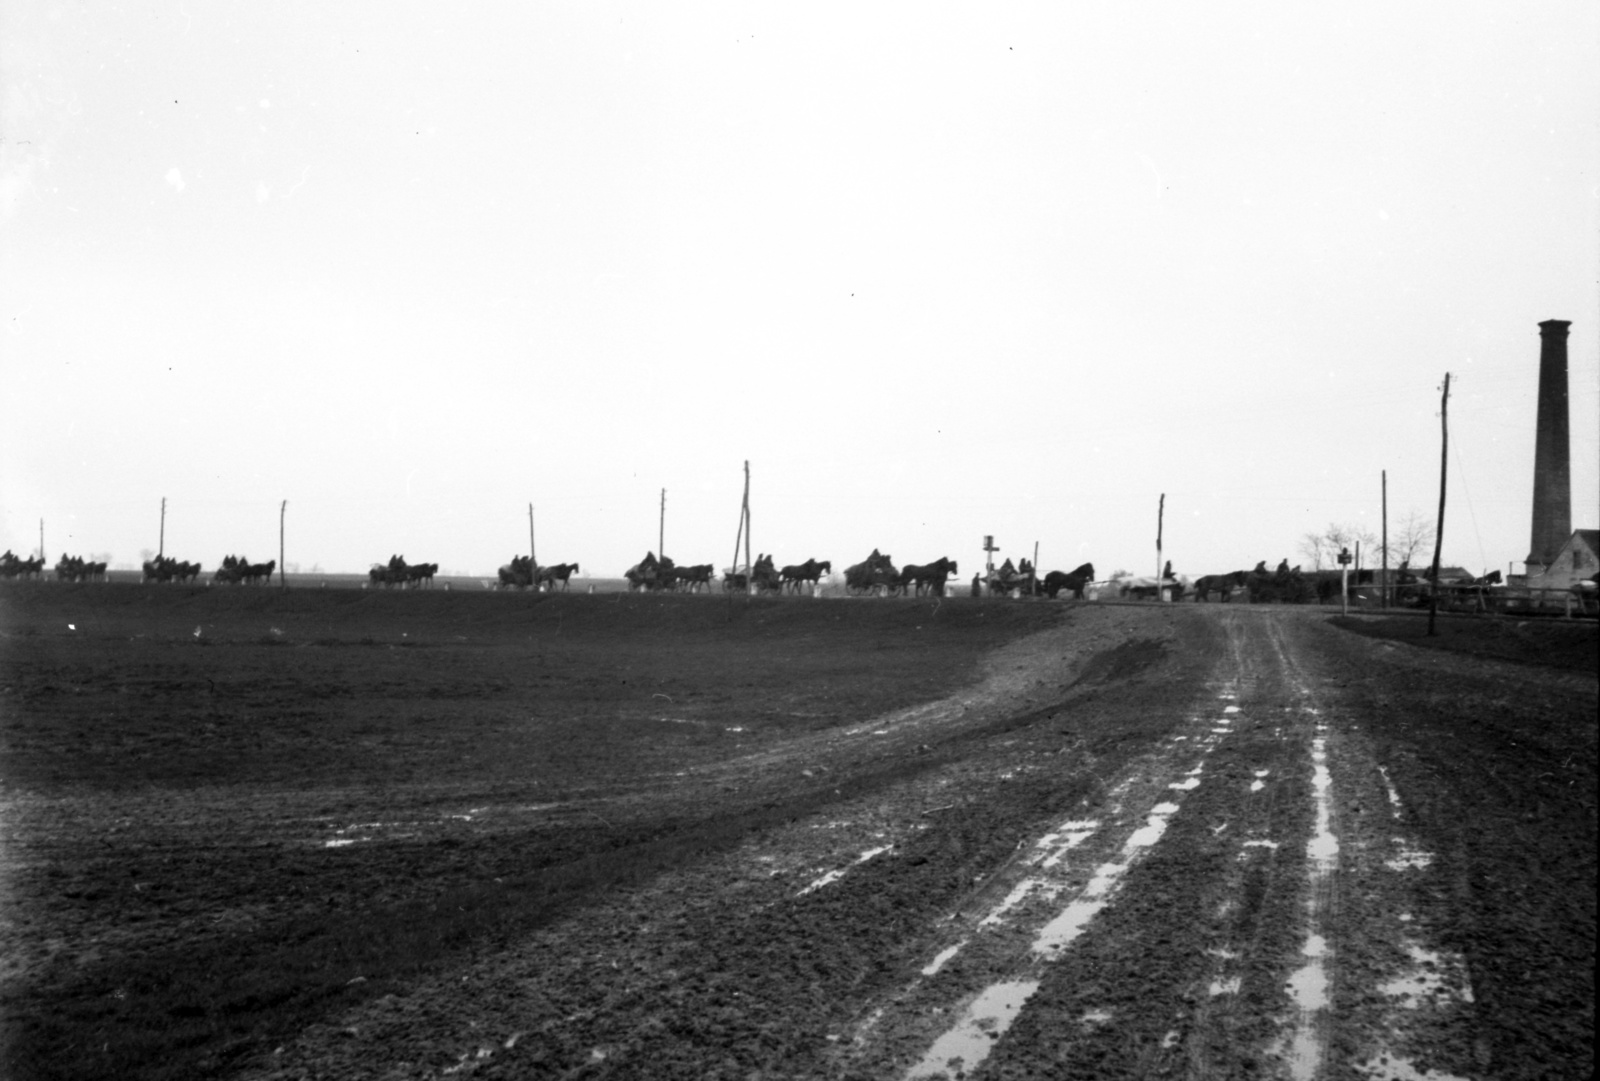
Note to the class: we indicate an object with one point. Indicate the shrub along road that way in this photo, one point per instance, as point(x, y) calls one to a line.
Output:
point(1144, 841)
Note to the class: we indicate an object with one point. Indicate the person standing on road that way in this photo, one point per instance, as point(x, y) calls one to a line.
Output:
point(977, 585)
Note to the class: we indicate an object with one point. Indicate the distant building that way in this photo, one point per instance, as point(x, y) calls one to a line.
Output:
point(1577, 559)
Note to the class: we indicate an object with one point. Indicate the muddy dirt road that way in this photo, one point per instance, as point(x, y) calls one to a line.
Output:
point(1206, 842)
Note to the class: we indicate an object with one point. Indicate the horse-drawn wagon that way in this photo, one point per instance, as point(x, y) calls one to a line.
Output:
point(874, 575)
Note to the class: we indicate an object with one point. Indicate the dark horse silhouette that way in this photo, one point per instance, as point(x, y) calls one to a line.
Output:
point(559, 571)
point(929, 577)
point(809, 572)
point(691, 578)
point(1224, 584)
point(1075, 580)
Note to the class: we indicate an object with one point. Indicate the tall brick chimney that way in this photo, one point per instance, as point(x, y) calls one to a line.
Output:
point(1552, 451)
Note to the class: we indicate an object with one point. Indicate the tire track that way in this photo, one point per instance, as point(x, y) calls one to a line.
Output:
point(992, 962)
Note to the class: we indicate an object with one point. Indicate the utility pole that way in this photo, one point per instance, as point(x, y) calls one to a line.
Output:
point(1438, 535)
point(1383, 593)
point(744, 535)
point(661, 534)
point(41, 538)
point(533, 559)
point(283, 566)
point(161, 545)
point(1161, 512)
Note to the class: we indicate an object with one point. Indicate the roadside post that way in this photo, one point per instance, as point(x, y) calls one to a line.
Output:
point(989, 548)
point(1344, 581)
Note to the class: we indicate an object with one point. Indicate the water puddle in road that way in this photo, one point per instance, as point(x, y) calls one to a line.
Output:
point(1435, 982)
point(1394, 797)
point(1396, 1068)
point(944, 957)
point(1309, 985)
point(1059, 932)
point(1407, 858)
point(1426, 981)
point(966, 1044)
point(962, 1048)
point(1230, 709)
point(834, 876)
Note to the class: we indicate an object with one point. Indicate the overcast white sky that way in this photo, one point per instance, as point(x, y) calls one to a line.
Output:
point(935, 271)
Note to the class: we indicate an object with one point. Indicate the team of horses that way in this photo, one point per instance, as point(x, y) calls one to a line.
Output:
point(14, 566)
point(1022, 580)
point(521, 573)
point(167, 569)
point(237, 570)
point(78, 569)
point(398, 573)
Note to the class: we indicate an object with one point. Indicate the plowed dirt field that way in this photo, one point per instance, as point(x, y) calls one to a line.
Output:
point(255, 835)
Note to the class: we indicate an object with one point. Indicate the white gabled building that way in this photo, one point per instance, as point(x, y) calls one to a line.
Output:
point(1576, 560)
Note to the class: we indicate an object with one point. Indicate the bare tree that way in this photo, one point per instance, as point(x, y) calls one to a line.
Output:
point(1413, 534)
point(1323, 549)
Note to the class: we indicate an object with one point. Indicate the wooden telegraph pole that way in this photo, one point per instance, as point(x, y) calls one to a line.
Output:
point(1438, 534)
point(161, 545)
point(661, 532)
point(1161, 511)
point(1383, 593)
point(283, 566)
point(744, 535)
point(41, 538)
point(533, 555)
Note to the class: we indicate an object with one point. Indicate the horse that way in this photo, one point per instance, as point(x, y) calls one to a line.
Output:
point(928, 576)
point(795, 574)
point(690, 579)
point(254, 573)
point(562, 571)
point(1224, 584)
point(421, 574)
point(1075, 580)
